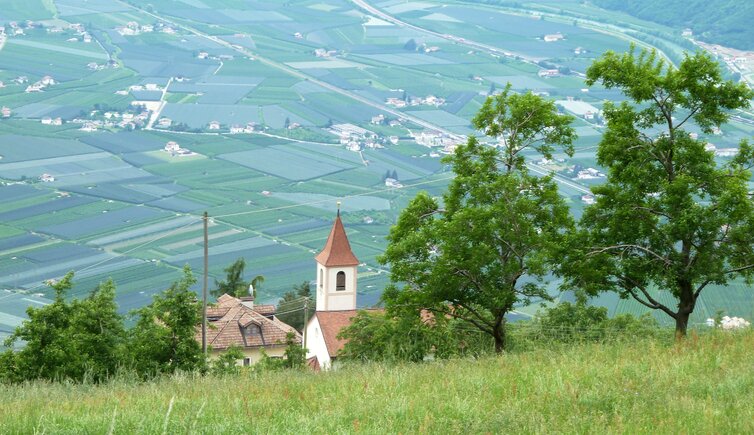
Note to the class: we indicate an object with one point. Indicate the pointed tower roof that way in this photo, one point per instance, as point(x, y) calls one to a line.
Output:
point(337, 250)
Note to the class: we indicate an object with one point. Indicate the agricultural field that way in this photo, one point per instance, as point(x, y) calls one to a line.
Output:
point(266, 101)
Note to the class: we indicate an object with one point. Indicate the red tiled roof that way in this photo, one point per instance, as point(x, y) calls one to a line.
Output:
point(228, 330)
point(265, 310)
point(331, 322)
point(337, 250)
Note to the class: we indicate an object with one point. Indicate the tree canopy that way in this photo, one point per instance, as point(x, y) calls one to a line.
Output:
point(488, 243)
point(234, 283)
point(68, 340)
point(163, 340)
point(669, 217)
point(291, 309)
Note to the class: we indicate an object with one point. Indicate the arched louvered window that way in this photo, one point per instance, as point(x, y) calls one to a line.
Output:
point(340, 282)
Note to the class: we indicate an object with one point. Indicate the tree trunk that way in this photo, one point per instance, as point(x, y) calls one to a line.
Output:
point(681, 325)
point(498, 333)
point(685, 308)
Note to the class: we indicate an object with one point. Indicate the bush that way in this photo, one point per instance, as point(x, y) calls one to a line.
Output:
point(568, 322)
point(226, 363)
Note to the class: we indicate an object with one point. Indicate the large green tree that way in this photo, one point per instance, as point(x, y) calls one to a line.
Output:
point(163, 340)
point(488, 244)
point(291, 307)
point(234, 283)
point(669, 216)
point(76, 340)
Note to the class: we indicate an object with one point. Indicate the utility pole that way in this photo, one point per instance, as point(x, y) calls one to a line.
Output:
point(306, 319)
point(204, 285)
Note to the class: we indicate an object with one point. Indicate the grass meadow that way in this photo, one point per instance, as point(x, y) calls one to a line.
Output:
point(703, 385)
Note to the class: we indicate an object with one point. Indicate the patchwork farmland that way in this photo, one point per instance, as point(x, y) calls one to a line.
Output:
point(127, 120)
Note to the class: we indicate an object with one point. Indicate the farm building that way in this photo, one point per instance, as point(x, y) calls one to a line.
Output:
point(253, 328)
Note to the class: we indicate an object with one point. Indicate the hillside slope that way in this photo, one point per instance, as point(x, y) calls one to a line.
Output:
point(724, 22)
point(701, 386)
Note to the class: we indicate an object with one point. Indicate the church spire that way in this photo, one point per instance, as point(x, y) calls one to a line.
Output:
point(337, 251)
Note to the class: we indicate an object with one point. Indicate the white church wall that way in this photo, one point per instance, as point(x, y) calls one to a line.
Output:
point(315, 343)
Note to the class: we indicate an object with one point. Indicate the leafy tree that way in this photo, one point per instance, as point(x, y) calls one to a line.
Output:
point(163, 340)
point(234, 283)
point(406, 336)
point(492, 243)
point(291, 305)
point(375, 336)
point(295, 355)
point(226, 363)
point(669, 217)
point(68, 340)
point(98, 332)
point(577, 322)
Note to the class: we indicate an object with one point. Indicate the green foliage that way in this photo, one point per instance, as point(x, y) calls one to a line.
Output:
point(375, 336)
point(295, 357)
point(295, 354)
point(567, 322)
point(226, 363)
point(378, 336)
point(491, 244)
point(726, 22)
point(77, 340)
point(669, 216)
point(234, 284)
point(163, 339)
point(291, 305)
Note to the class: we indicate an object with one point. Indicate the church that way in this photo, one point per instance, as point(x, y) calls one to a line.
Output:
point(336, 288)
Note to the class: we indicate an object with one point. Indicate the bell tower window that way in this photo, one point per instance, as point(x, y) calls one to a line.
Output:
point(340, 281)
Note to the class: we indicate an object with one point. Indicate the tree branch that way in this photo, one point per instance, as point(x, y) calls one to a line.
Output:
point(740, 269)
point(650, 302)
point(627, 246)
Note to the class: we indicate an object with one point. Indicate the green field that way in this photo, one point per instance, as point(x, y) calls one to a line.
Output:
point(278, 184)
point(703, 385)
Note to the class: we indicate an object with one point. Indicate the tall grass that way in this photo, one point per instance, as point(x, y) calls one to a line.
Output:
point(703, 385)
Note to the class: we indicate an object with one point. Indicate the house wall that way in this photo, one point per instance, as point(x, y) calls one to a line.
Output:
point(329, 299)
point(254, 353)
point(315, 344)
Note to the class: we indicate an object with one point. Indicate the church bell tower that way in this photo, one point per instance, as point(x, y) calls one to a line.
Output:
point(336, 272)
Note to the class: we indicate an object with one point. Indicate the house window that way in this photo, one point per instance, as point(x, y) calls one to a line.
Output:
point(246, 362)
point(252, 334)
point(340, 282)
point(321, 279)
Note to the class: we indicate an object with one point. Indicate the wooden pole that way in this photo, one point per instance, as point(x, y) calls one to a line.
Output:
point(306, 319)
point(204, 285)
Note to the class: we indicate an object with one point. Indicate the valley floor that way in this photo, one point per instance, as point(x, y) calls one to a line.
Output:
point(704, 385)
